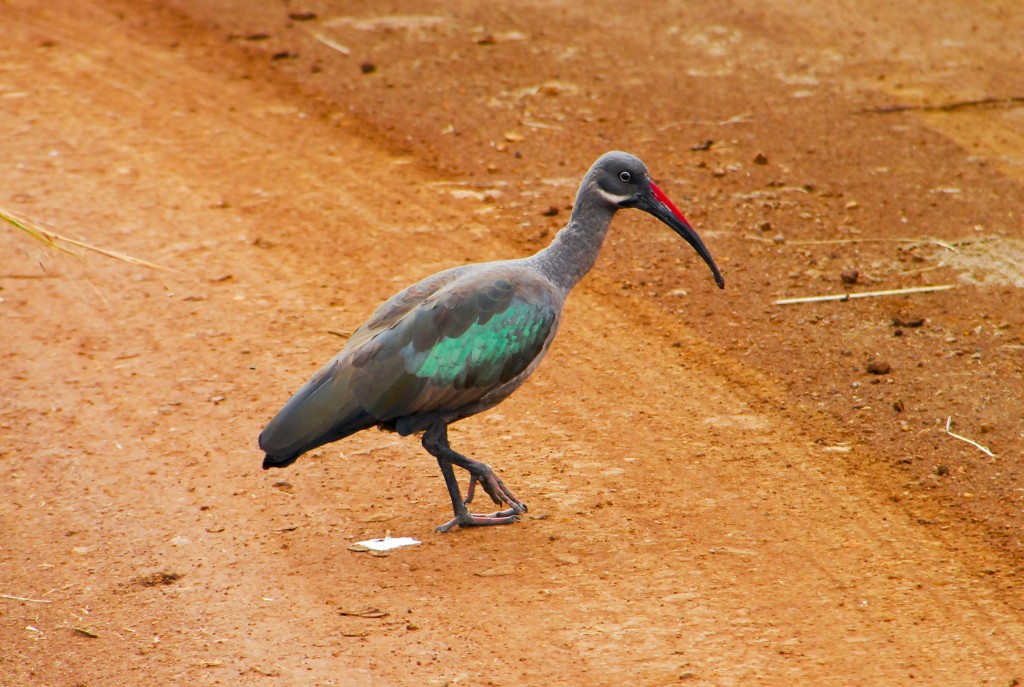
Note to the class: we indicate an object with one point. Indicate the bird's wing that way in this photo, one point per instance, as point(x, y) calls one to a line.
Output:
point(440, 345)
point(393, 309)
point(326, 408)
point(469, 338)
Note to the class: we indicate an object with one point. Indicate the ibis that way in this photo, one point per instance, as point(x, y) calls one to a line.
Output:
point(461, 341)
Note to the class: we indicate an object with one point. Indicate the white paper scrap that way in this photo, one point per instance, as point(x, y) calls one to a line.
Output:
point(388, 543)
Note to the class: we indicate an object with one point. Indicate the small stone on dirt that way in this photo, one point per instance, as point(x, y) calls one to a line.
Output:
point(909, 322)
point(157, 579)
point(367, 67)
point(302, 16)
point(878, 367)
point(498, 571)
point(705, 145)
point(849, 276)
point(372, 612)
point(760, 159)
point(550, 212)
point(765, 226)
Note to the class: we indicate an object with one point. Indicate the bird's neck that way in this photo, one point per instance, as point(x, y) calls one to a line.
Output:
point(575, 248)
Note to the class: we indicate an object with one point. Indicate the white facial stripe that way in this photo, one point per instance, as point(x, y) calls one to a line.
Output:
point(611, 198)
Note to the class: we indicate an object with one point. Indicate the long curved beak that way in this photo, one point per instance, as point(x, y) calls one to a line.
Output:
point(658, 204)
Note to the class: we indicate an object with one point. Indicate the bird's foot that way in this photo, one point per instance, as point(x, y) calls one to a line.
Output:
point(494, 487)
point(467, 519)
point(498, 492)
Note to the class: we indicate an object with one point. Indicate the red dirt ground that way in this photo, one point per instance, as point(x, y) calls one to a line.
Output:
point(720, 492)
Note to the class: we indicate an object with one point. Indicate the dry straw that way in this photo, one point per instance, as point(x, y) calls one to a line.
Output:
point(61, 243)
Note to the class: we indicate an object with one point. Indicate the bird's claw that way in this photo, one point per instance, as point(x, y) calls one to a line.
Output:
point(472, 488)
point(495, 488)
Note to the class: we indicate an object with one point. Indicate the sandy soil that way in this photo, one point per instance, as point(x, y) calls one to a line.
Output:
point(720, 492)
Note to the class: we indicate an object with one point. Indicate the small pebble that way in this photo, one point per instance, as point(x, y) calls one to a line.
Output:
point(760, 159)
point(849, 276)
point(941, 470)
point(878, 367)
point(368, 67)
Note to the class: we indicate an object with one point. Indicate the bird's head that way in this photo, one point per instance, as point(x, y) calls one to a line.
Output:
point(622, 181)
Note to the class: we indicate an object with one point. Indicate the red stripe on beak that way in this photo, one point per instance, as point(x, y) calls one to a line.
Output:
point(664, 200)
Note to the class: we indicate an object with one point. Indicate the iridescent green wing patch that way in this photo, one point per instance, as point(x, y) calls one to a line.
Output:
point(459, 344)
point(486, 353)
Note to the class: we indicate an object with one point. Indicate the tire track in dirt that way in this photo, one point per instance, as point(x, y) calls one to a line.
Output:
point(686, 529)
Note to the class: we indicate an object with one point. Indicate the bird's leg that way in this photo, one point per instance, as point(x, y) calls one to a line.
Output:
point(435, 441)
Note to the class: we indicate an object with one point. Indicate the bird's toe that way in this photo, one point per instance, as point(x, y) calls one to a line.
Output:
point(467, 519)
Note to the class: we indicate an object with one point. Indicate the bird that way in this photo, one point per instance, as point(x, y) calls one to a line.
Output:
point(461, 341)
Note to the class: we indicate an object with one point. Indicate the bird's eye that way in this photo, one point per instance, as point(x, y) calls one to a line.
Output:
point(624, 176)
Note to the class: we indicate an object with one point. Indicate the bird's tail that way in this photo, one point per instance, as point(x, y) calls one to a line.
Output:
point(272, 461)
point(320, 412)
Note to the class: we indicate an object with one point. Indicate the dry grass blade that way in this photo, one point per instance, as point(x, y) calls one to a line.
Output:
point(831, 242)
point(54, 240)
point(863, 294)
point(945, 107)
point(25, 599)
point(332, 44)
point(33, 230)
point(975, 444)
